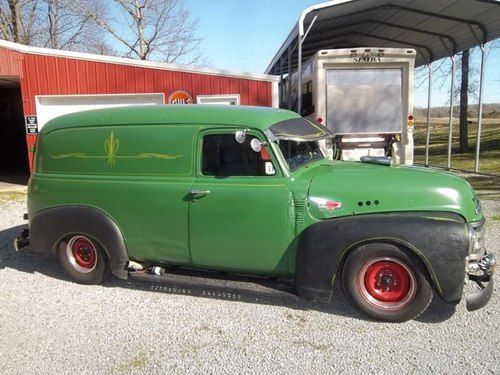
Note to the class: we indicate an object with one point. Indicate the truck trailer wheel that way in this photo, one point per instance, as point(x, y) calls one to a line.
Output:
point(386, 283)
point(83, 259)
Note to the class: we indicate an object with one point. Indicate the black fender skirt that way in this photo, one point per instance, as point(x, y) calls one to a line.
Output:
point(49, 226)
point(439, 239)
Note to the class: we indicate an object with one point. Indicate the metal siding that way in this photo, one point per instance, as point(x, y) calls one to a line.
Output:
point(169, 83)
point(72, 77)
point(262, 94)
point(197, 85)
point(244, 92)
point(253, 94)
point(51, 75)
point(108, 81)
point(224, 86)
point(158, 81)
point(187, 82)
point(215, 84)
point(100, 76)
point(148, 80)
point(10, 63)
point(176, 82)
point(206, 89)
point(234, 86)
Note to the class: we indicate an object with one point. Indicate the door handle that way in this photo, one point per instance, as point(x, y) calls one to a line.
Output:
point(198, 192)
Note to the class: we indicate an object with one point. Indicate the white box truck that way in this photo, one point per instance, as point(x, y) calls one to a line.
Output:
point(364, 96)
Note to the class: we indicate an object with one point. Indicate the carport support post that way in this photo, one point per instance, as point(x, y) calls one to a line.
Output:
point(299, 77)
point(429, 90)
point(480, 109)
point(280, 87)
point(450, 127)
point(289, 79)
point(301, 37)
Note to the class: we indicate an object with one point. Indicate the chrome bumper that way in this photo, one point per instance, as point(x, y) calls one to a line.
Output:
point(481, 271)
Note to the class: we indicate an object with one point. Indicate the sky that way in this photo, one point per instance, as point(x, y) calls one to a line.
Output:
point(244, 35)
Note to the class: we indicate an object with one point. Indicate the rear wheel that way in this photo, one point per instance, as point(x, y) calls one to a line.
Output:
point(82, 259)
point(386, 283)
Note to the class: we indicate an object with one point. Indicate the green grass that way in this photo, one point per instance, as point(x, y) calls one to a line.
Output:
point(489, 161)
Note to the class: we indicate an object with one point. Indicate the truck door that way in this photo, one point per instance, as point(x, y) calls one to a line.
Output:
point(237, 208)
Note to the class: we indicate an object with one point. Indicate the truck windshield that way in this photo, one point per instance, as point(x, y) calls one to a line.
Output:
point(297, 139)
point(298, 153)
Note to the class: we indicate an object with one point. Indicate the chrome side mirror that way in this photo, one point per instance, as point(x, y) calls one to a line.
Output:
point(240, 136)
point(256, 145)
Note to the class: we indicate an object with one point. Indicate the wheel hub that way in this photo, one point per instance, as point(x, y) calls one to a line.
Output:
point(81, 254)
point(387, 283)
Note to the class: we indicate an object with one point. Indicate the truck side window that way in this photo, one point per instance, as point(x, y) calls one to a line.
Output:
point(223, 156)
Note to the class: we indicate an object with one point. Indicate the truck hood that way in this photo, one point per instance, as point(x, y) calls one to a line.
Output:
point(350, 188)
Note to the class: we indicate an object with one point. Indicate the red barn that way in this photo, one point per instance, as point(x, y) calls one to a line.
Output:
point(37, 84)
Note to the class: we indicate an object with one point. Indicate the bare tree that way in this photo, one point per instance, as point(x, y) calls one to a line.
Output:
point(71, 29)
point(52, 23)
point(19, 20)
point(151, 30)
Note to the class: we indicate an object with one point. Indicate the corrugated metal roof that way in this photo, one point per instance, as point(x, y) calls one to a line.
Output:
point(435, 28)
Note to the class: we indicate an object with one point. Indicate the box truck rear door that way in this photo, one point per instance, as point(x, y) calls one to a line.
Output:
point(364, 101)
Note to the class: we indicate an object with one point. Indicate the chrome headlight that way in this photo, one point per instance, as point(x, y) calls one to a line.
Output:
point(476, 237)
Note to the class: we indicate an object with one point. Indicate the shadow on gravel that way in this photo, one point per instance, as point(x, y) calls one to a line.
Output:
point(205, 285)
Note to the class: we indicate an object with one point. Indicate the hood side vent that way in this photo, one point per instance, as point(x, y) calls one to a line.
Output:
point(300, 210)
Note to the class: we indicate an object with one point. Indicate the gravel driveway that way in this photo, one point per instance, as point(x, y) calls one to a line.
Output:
point(51, 325)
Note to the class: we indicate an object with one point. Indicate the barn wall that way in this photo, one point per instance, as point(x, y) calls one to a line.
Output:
point(10, 63)
point(49, 75)
point(53, 75)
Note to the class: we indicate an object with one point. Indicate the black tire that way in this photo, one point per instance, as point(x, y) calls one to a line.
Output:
point(386, 283)
point(90, 269)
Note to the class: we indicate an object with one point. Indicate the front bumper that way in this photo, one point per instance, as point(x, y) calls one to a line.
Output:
point(480, 270)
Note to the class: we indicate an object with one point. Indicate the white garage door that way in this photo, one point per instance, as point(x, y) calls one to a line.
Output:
point(51, 106)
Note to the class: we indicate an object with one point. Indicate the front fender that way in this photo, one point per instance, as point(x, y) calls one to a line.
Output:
point(440, 240)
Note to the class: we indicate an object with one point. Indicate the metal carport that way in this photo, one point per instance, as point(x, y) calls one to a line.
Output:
point(434, 28)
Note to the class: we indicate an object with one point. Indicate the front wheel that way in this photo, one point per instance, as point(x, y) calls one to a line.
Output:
point(386, 283)
point(82, 259)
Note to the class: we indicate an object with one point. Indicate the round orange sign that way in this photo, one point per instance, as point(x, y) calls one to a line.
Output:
point(180, 97)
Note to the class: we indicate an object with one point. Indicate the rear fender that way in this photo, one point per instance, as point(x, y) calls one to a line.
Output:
point(50, 226)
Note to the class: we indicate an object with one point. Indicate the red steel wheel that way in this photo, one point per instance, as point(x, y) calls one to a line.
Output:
point(83, 258)
point(81, 254)
point(386, 283)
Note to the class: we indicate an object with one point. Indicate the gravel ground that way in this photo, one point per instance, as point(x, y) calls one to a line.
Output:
point(51, 325)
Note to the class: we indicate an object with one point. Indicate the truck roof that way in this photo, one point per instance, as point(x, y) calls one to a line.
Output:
point(255, 117)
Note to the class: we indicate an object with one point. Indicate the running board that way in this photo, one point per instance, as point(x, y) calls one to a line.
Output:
point(216, 285)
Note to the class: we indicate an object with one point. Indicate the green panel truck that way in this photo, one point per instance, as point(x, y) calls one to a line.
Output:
point(249, 191)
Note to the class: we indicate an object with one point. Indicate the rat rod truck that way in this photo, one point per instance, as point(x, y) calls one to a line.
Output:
point(249, 191)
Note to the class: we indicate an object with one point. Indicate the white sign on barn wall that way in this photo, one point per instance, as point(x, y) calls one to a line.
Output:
point(52, 106)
